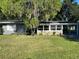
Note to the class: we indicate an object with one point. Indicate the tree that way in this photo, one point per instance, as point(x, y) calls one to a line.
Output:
point(31, 11)
point(32, 25)
point(74, 8)
point(69, 11)
point(12, 8)
point(49, 9)
point(65, 13)
point(2, 16)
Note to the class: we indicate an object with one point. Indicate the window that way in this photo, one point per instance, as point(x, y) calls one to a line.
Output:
point(71, 27)
point(58, 27)
point(53, 27)
point(40, 27)
point(46, 27)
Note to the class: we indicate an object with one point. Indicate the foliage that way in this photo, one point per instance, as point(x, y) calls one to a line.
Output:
point(71, 4)
point(19, 7)
point(2, 16)
point(49, 9)
point(65, 13)
point(12, 8)
point(69, 11)
point(32, 23)
point(31, 11)
point(41, 10)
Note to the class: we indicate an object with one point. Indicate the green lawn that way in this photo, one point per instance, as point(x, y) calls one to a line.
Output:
point(37, 47)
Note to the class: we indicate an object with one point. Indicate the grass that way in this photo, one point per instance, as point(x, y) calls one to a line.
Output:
point(37, 47)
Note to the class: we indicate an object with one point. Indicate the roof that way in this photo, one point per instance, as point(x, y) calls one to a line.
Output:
point(11, 22)
point(57, 23)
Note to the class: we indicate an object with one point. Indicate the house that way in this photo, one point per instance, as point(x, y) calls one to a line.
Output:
point(58, 28)
point(12, 27)
point(45, 28)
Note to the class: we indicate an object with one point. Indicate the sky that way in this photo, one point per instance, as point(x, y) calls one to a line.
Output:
point(77, 1)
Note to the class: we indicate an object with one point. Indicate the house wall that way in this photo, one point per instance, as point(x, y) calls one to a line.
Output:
point(13, 29)
point(20, 29)
point(78, 29)
point(1, 31)
point(49, 31)
point(73, 30)
point(53, 32)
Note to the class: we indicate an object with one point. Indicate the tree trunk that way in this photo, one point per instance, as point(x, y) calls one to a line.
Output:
point(32, 31)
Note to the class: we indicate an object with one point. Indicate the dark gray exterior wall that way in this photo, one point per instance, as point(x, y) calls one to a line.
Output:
point(12, 28)
point(20, 29)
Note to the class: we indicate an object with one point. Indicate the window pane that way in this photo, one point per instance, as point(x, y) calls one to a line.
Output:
point(71, 27)
point(40, 27)
point(52, 27)
point(46, 27)
point(58, 27)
